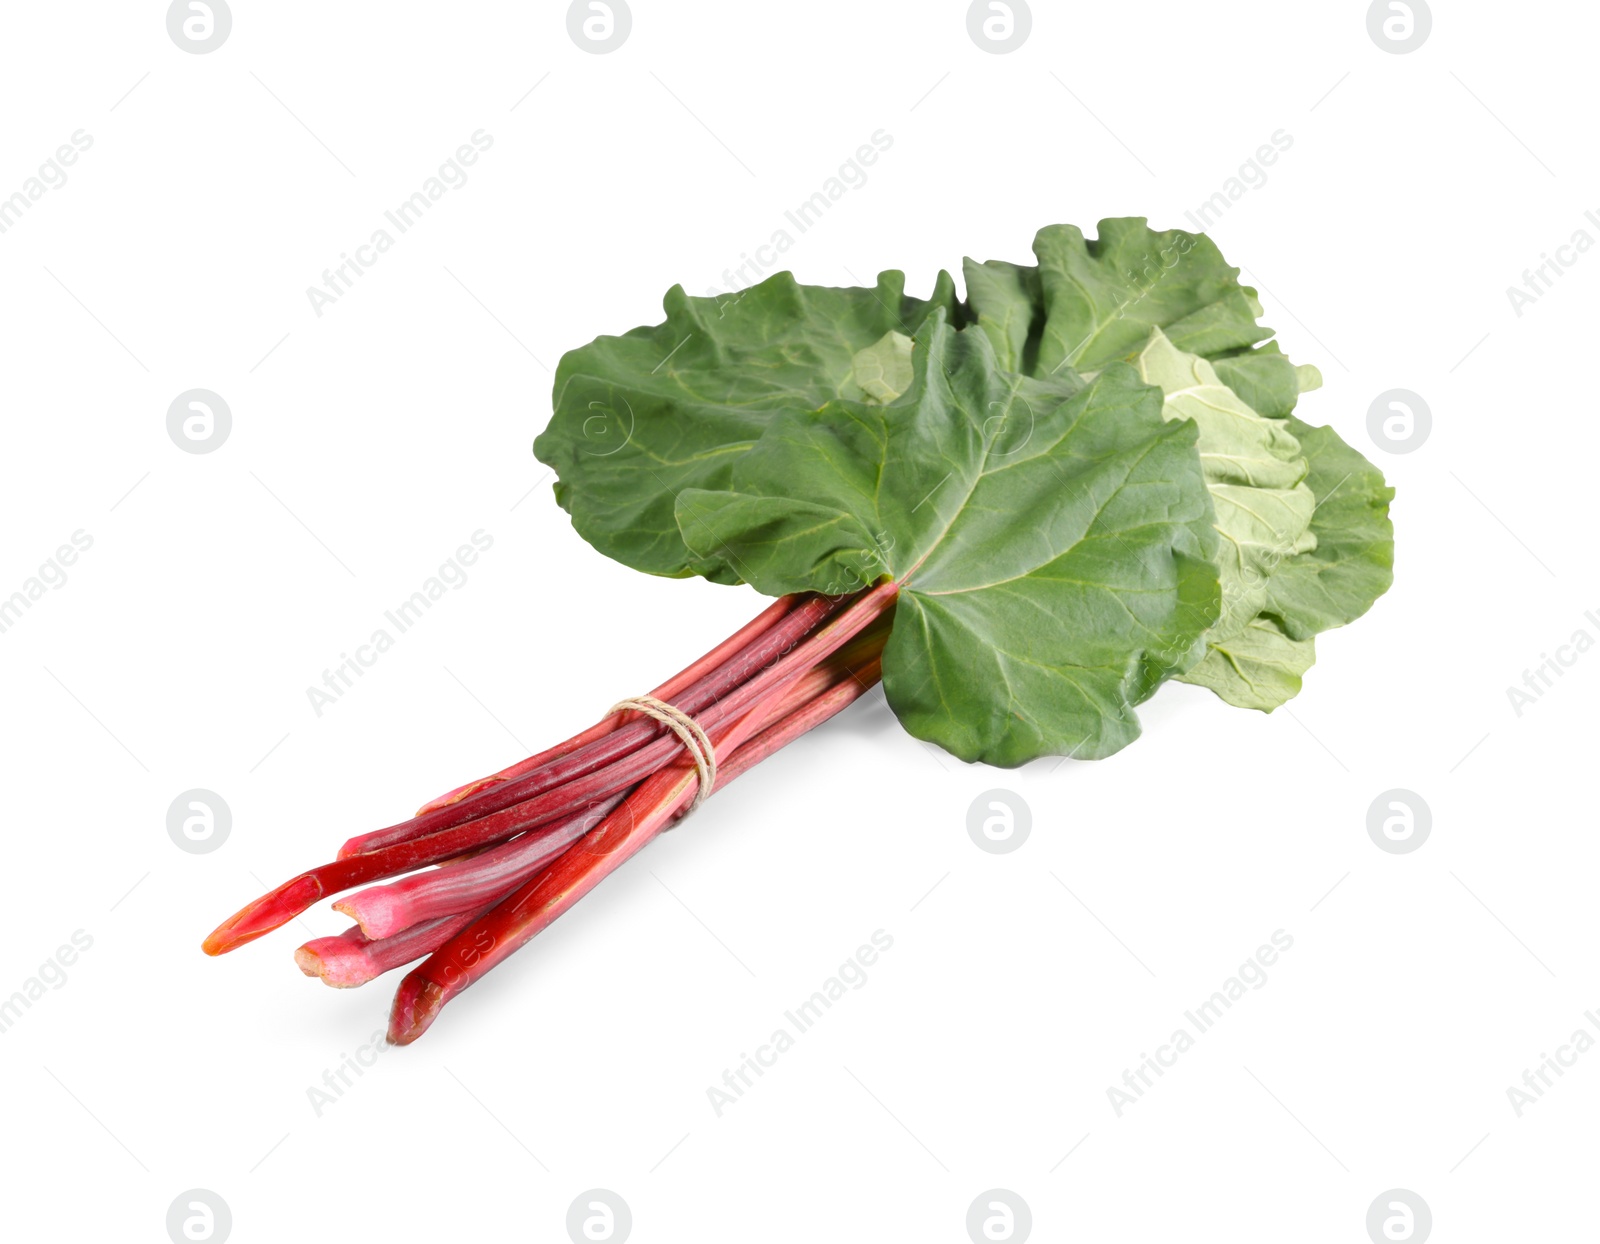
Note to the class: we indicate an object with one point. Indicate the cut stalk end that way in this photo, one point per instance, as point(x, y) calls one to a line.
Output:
point(376, 910)
point(339, 962)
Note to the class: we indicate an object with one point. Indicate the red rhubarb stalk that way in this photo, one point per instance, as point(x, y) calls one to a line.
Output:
point(768, 648)
point(384, 910)
point(668, 691)
point(529, 910)
point(806, 718)
point(352, 958)
point(294, 896)
point(531, 907)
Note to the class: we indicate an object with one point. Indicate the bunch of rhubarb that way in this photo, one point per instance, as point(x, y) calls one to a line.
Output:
point(516, 849)
point(1023, 511)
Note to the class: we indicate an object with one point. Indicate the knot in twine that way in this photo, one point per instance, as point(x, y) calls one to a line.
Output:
point(689, 731)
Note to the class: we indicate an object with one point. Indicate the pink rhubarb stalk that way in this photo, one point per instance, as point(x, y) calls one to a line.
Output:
point(294, 896)
point(384, 910)
point(535, 905)
point(769, 647)
point(352, 958)
point(668, 691)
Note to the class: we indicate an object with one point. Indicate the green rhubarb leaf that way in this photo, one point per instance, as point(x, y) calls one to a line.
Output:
point(1306, 540)
point(1054, 543)
point(1102, 298)
point(1266, 380)
point(641, 417)
point(793, 436)
point(1353, 561)
point(1257, 667)
point(1090, 302)
point(1007, 301)
point(1255, 470)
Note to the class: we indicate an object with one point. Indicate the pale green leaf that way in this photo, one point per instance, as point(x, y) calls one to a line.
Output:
point(1254, 468)
point(1259, 667)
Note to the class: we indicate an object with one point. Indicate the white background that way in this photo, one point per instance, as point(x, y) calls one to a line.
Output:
point(369, 442)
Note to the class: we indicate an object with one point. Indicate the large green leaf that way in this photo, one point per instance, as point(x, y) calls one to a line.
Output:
point(1007, 301)
point(1255, 470)
point(1329, 585)
point(1054, 543)
point(1267, 381)
point(1102, 298)
point(791, 436)
point(639, 418)
point(1088, 303)
point(1353, 561)
point(1293, 564)
point(1256, 667)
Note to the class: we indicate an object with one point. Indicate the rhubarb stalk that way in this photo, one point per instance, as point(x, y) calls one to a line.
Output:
point(522, 915)
point(294, 896)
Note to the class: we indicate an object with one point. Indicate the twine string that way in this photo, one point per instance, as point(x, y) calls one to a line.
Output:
point(693, 736)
